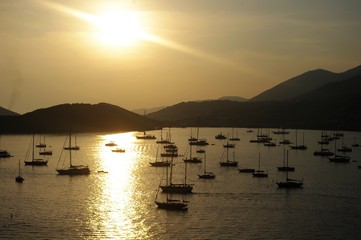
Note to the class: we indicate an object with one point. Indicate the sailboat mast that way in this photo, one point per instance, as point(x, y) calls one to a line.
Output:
point(227, 153)
point(205, 163)
point(32, 154)
point(70, 148)
point(171, 171)
point(185, 173)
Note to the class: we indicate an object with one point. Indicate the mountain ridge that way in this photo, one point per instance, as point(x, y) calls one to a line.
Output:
point(77, 117)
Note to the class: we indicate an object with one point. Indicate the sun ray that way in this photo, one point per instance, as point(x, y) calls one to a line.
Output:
point(109, 25)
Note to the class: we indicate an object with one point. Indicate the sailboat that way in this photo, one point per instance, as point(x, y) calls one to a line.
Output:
point(171, 187)
point(339, 158)
point(228, 162)
point(192, 159)
point(35, 161)
point(299, 147)
point(324, 152)
point(170, 203)
point(220, 136)
point(197, 141)
point(4, 153)
point(289, 183)
point(285, 167)
point(19, 178)
point(233, 138)
point(259, 172)
point(160, 163)
point(165, 141)
point(43, 150)
point(74, 147)
point(72, 169)
point(205, 174)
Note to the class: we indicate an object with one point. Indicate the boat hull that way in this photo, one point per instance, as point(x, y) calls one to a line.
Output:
point(207, 175)
point(172, 205)
point(246, 170)
point(228, 164)
point(36, 163)
point(19, 179)
point(286, 169)
point(75, 170)
point(177, 188)
point(160, 164)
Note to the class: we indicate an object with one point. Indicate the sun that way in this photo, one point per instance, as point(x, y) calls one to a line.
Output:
point(120, 29)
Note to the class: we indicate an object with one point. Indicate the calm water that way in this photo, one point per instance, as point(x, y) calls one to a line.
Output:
point(120, 204)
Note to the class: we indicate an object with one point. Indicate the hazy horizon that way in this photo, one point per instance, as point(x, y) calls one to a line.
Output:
point(145, 54)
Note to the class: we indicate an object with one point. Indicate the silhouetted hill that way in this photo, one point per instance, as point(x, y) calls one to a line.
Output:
point(304, 83)
point(233, 98)
point(7, 112)
point(100, 117)
point(332, 106)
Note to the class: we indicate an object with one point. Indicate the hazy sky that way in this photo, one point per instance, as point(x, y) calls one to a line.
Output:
point(148, 53)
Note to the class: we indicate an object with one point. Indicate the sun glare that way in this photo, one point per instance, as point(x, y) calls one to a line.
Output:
point(119, 28)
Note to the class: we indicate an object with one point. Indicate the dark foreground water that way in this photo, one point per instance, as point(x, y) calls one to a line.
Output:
point(120, 204)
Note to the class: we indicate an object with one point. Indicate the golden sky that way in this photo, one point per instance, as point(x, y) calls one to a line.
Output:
point(149, 53)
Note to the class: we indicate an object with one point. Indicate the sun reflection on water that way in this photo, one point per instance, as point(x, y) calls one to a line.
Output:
point(114, 210)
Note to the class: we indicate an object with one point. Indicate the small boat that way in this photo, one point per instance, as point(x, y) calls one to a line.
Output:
point(146, 136)
point(111, 144)
point(260, 173)
point(19, 178)
point(285, 142)
point(72, 169)
point(229, 145)
point(205, 174)
point(102, 171)
point(340, 159)
point(270, 144)
point(324, 152)
point(46, 152)
point(4, 154)
point(171, 204)
point(290, 183)
point(118, 150)
point(160, 164)
point(344, 149)
point(246, 170)
point(249, 130)
point(280, 131)
point(201, 150)
point(220, 136)
point(35, 161)
point(199, 142)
